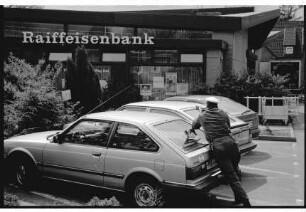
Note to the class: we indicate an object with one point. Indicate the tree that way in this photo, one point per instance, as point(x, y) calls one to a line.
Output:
point(83, 81)
point(31, 102)
point(288, 12)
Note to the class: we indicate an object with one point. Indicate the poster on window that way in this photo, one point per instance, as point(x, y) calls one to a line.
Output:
point(158, 82)
point(171, 81)
point(182, 89)
point(145, 89)
point(66, 95)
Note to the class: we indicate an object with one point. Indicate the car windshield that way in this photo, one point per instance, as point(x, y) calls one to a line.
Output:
point(175, 131)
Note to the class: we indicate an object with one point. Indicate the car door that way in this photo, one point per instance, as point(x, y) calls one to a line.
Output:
point(130, 149)
point(80, 155)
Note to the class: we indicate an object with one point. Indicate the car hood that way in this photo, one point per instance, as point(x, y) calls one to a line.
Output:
point(34, 137)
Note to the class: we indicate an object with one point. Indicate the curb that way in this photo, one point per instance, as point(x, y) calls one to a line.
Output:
point(276, 138)
point(290, 138)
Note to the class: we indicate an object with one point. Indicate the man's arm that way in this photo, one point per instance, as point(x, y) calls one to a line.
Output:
point(196, 124)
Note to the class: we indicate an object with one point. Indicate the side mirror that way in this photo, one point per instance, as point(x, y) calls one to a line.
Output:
point(57, 139)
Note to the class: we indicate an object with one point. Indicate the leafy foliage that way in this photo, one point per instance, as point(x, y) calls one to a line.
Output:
point(260, 84)
point(288, 12)
point(83, 81)
point(96, 202)
point(31, 102)
point(10, 200)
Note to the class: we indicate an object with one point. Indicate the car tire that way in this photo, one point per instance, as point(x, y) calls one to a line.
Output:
point(147, 193)
point(24, 173)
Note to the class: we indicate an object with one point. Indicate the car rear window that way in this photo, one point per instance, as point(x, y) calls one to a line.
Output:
point(233, 107)
point(175, 132)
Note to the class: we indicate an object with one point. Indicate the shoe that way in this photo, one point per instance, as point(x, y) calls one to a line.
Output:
point(245, 203)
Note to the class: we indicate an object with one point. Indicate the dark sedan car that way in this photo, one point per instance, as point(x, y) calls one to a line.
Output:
point(229, 106)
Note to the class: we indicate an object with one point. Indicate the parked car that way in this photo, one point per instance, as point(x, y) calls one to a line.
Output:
point(141, 154)
point(229, 106)
point(189, 111)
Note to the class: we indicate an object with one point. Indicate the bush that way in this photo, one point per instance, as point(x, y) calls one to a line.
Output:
point(259, 84)
point(10, 200)
point(31, 102)
point(96, 202)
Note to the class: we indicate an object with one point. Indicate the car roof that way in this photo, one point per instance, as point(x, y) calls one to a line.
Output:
point(197, 97)
point(174, 105)
point(129, 116)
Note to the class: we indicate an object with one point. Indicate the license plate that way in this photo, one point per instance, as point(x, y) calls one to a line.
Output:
point(210, 164)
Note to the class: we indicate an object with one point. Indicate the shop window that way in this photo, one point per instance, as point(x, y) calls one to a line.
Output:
point(86, 30)
point(15, 29)
point(59, 56)
point(120, 31)
point(140, 56)
point(114, 57)
point(93, 55)
point(191, 58)
point(165, 56)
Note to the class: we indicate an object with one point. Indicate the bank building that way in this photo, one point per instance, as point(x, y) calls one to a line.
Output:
point(173, 51)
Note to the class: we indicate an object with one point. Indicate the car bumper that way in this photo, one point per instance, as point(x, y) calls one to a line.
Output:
point(204, 184)
point(255, 132)
point(244, 148)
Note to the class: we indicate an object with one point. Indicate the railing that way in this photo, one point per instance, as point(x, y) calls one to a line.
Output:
point(275, 108)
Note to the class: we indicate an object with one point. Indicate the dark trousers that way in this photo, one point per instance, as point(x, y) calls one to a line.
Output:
point(227, 155)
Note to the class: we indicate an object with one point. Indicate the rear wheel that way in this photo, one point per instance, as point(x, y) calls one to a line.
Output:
point(147, 193)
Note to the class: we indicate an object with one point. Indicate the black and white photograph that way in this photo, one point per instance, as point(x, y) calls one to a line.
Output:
point(153, 106)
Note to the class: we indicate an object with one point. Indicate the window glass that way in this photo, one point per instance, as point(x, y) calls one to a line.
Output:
point(15, 29)
point(139, 109)
point(175, 131)
point(193, 112)
point(132, 138)
point(164, 112)
point(165, 56)
point(113, 57)
point(89, 133)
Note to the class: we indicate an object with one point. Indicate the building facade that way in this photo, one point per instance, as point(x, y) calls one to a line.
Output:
point(168, 52)
point(283, 53)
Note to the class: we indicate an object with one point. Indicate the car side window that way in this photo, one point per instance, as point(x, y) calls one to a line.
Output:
point(132, 138)
point(165, 112)
point(89, 132)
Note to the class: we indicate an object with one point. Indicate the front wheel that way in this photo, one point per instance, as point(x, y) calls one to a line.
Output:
point(148, 194)
point(24, 173)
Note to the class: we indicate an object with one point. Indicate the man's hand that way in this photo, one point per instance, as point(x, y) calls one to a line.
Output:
point(192, 131)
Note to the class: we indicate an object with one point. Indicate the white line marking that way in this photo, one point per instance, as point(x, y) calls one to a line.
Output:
point(266, 170)
point(48, 196)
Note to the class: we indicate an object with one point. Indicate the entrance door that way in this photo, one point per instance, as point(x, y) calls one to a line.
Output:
point(289, 68)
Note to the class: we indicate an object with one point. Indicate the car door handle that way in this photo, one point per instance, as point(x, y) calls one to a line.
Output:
point(96, 154)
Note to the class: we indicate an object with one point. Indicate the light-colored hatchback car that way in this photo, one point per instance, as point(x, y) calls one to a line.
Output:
point(189, 111)
point(141, 154)
point(229, 106)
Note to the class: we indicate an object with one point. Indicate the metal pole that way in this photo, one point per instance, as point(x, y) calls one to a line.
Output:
point(110, 99)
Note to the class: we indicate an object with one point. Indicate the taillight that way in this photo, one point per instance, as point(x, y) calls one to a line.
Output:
point(195, 172)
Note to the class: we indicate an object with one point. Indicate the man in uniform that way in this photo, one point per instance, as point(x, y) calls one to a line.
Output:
point(216, 125)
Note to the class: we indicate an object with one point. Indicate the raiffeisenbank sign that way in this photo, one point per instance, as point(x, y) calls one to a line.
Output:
point(63, 38)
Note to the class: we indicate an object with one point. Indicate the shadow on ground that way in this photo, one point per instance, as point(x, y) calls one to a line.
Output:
point(254, 157)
